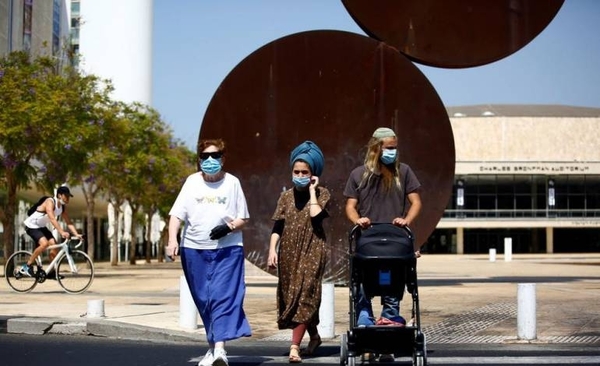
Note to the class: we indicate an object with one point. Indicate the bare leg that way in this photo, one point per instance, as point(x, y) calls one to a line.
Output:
point(43, 244)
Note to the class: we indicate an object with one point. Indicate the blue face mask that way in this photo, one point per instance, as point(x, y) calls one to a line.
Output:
point(211, 166)
point(388, 156)
point(301, 182)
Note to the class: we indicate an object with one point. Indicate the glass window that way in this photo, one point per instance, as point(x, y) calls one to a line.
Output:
point(505, 202)
point(523, 202)
point(522, 184)
point(75, 5)
point(487, 184)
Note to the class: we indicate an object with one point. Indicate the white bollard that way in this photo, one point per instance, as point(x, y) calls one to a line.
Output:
point(95, 309)
point(507, 249)
point(326, 325)
point(526, 311)
point(493, 255)
point(188, 313)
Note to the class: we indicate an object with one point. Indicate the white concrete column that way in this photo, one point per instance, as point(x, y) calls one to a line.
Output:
point(188, 313)
point(492, 254)
point(507, 249)
point(460, 240)
point(526, 311)
point(326, 325)
point(549, 240)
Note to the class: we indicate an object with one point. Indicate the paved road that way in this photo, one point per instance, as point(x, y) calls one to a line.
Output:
point(29, 350)
point(464, 300)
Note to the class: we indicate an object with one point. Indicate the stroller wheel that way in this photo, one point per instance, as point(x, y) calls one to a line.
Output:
point(351, 361)
point(343, 349)
point(420, 350)
point(419, 360)
point(345, 358)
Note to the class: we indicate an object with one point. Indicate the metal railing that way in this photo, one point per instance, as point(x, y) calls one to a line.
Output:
point(520, 214)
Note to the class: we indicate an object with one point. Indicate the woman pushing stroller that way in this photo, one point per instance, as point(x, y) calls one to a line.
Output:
point(382, 190)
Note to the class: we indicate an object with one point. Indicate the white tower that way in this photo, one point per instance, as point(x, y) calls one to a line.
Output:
point(115, 42)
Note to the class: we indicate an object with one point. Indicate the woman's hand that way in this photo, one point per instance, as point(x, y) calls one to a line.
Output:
point(172, 249)
point(314, 182)
point(273, 260)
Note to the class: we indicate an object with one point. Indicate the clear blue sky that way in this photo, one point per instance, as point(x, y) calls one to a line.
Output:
point(198, 42)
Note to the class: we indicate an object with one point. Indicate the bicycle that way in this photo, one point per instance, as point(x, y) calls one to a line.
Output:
point(74, 270)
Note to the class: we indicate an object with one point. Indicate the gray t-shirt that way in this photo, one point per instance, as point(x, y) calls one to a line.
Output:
point(374, 201)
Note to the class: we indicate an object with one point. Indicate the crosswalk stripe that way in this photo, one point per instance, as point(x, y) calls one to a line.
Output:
point(503, 360)
point(512, 360)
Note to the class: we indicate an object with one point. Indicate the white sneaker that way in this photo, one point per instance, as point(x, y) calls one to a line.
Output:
point(220, 357)
point(208, 358)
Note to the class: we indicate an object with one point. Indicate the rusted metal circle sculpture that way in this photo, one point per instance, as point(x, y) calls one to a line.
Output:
point(334, 88)
point(454, 33)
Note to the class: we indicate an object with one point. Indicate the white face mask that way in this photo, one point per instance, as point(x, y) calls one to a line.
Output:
point(62, 202)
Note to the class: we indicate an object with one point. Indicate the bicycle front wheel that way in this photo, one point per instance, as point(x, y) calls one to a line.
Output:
point(15, 279)
point(76, 275)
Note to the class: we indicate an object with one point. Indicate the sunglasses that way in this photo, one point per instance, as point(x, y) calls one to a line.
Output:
point(214, 155)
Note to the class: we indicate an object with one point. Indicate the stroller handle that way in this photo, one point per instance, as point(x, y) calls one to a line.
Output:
point(356, 229)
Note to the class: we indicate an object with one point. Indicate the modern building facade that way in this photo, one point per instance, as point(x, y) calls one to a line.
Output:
point(526, 172)
point(39, 27)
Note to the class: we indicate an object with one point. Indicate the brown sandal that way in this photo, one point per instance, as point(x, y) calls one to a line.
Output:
point(314, 343)
point(295, 354)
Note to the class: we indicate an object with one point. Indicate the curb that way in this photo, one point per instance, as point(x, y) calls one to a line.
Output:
point(98, 328)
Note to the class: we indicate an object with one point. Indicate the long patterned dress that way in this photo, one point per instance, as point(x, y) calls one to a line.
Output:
point(302, 257)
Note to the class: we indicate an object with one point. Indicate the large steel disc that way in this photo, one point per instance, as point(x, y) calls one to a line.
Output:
point(334, 88)
point(454, 33)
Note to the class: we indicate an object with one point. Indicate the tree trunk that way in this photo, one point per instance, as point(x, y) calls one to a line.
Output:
point(162, 243)
point(133, 247)
point(114, 258)
point(148, 235)
point(90, 233)
point(8, 219)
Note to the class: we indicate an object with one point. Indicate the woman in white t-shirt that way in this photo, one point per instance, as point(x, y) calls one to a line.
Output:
point(213, 208)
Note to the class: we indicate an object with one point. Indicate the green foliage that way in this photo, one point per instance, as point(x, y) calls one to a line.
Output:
point(64, 127)
point(27, 114)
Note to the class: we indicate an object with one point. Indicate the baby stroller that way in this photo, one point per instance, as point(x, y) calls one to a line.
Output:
point(383, 262)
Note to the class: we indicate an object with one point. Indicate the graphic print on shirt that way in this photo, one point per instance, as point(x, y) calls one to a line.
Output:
point(212, 199)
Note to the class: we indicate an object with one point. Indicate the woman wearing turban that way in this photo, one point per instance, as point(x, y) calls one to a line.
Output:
point(297, 248)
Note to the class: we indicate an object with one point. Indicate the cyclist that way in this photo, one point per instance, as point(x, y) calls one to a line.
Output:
point(36, 227)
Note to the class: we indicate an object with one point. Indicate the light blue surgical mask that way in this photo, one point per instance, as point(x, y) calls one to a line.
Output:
point(210, 166)
point(301, 182)
point(388, 156)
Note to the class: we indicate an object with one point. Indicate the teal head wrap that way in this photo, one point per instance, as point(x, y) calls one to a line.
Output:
point(309, 152)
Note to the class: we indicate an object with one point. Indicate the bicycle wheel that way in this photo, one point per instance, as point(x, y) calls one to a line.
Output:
point(16, 280)
point(76, 276)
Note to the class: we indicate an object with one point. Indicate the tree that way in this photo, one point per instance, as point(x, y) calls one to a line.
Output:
point(28, 119)
point(171, 164)
point(148, 140)
point(108, 167)
point(86, 116)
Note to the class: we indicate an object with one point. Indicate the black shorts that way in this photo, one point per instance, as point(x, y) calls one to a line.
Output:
point(37, 234)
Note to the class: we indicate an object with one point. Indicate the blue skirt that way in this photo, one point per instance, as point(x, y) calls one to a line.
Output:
point(216, 280)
